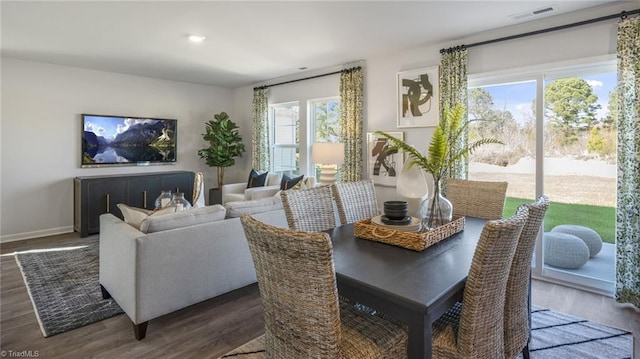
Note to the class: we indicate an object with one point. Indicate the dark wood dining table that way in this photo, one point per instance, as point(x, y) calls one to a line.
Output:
point(413, 287)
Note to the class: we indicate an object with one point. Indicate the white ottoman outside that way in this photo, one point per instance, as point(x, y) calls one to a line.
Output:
point(564, 250)
point(590, 237)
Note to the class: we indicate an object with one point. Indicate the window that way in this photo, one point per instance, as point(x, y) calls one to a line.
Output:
point(292, 134)
point(325, 117)
point(558, 127)
point(325, 122)
point(285, 149)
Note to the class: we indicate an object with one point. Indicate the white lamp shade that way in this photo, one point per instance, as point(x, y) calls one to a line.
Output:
point(327, 153)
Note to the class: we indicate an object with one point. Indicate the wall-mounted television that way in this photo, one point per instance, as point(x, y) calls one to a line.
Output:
point(120, 140)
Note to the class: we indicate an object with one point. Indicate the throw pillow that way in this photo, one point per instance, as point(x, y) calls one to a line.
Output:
point(256, 179)
point(308, 182)
point(289, 182)
point(134, 216)
point(163, 211)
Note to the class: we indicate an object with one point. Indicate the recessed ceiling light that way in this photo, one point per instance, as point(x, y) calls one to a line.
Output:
point(196, 38)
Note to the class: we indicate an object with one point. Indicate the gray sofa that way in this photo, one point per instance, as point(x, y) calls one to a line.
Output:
point(152, 274)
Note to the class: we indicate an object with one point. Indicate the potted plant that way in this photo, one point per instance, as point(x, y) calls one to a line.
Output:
point(225, 143)
point(441, 156)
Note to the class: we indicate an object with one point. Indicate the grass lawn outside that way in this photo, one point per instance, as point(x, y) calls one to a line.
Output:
point(601, 219)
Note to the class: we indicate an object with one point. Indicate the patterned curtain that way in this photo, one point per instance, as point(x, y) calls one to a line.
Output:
point(260, 136)
point(453, 90)
point(628, 212)
point(351, 118)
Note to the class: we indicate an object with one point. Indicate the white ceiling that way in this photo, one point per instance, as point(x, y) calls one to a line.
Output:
point(246, 42)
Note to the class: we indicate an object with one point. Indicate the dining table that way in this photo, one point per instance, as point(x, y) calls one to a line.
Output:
point(414, 287)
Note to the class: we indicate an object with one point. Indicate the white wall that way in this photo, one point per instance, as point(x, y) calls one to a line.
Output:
point(380, 71)
point(41, 127)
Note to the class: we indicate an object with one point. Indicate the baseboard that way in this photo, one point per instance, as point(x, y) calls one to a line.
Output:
point(35, 234)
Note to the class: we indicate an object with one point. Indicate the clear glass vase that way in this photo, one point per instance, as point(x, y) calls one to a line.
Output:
point(163, 200)
point(178, 201)
point(436, 210)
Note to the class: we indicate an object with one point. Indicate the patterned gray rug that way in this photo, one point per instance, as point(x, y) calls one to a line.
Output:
point(555, 336)
point(63, 286)
point(559, 335)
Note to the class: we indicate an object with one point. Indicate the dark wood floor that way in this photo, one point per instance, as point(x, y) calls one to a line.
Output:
point(213, 327)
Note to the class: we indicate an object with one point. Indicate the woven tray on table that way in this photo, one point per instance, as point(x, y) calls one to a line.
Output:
point(417, 241)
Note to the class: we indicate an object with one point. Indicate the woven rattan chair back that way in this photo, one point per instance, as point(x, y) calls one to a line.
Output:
point(310, 209)
point(517, 309)
point(355, 200)
point(476, 198)
point(302, 312)
point(298, 290)
point(480, 332)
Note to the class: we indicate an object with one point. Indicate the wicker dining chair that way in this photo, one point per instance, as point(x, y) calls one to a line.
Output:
point(474, 328)
point(480, 199)
point(309, 209)
point(303, 316)
point(355, 200)
point(517, 309)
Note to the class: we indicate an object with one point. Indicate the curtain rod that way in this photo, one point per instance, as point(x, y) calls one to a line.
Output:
point(309, 78)
point(622, 15)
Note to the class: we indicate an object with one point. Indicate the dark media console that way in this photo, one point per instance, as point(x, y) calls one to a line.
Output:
point(95, 195)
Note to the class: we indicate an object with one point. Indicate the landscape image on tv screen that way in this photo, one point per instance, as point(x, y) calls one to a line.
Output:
point(112, 140)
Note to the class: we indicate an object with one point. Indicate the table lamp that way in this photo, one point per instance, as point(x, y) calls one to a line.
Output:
point(328, 155)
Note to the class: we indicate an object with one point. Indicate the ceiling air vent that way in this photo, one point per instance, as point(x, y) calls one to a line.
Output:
point(542, 11)
point(531, 13)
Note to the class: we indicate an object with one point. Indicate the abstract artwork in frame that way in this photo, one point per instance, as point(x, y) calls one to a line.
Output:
point(383, 165)
point(418, 97)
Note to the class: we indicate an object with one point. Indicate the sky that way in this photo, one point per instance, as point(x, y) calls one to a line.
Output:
point(109, 127)
point(517, 97)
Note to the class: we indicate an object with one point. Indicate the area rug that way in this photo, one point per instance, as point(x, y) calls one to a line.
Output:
point(251, 350)
point(554, 336)
point(63, 287)
point(558, 335)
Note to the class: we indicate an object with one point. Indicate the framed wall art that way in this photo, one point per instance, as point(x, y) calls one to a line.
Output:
point(383, 165)
point(418, 97)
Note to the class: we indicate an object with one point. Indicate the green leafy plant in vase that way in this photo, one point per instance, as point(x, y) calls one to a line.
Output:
point(441, 156)
point(225, 143)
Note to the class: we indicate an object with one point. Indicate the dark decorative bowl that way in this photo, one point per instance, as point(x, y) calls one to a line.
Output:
point(395, 210)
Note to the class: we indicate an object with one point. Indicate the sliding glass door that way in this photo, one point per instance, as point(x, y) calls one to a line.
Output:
point(563, 146)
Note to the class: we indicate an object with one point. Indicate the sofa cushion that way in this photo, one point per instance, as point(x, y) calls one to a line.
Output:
point(257, 179)
point(134, 216)
point(231, 197)
point(237, 209)
point(157, 223)
point(289, 182)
